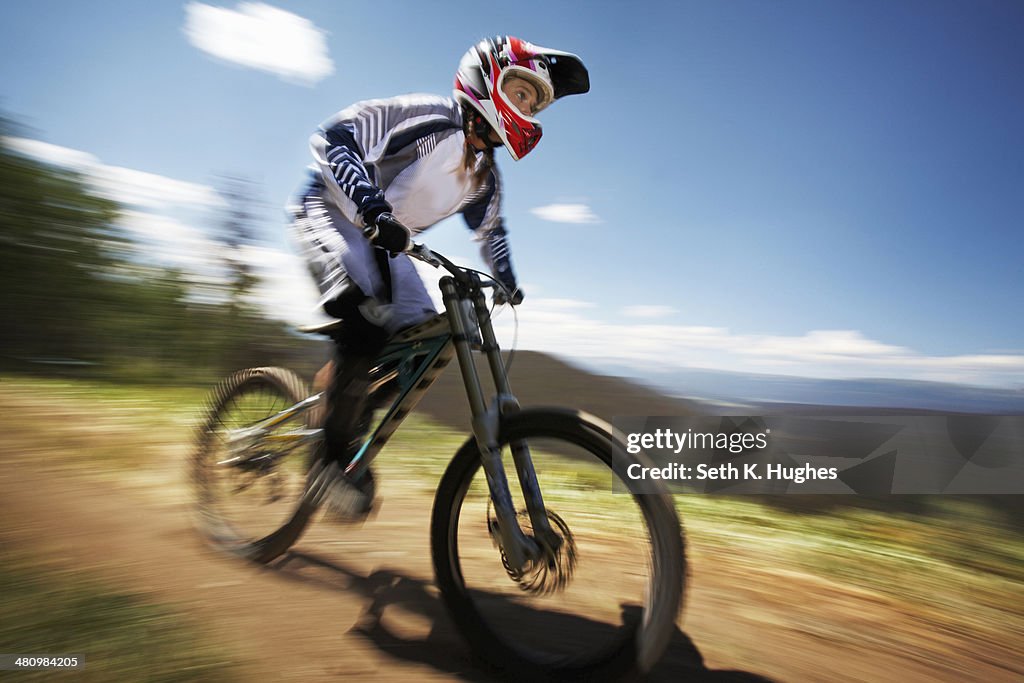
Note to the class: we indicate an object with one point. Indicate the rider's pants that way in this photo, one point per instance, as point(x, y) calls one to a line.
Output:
point(345, 268)
point(346, 408)
point(341, 260)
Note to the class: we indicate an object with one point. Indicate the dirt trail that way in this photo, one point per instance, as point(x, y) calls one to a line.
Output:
point(360, 602)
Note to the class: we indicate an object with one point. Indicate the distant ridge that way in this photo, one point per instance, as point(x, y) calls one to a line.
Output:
point(710, 388)
point(539, 379)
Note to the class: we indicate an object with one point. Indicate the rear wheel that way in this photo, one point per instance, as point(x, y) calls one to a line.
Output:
point(250, 491)
point(605, 603)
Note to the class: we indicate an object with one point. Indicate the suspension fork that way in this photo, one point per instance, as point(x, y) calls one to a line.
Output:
point(505, 404)
point(518, 547)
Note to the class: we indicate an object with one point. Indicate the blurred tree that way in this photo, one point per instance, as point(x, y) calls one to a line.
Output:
point(239, 232)
point(56, 240)
point(253, 338)
point(74, 292)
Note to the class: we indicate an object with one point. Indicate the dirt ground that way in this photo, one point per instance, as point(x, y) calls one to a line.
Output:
point(359, 603)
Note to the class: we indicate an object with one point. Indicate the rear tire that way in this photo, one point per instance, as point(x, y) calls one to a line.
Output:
point(541, 635)
point(252, 503)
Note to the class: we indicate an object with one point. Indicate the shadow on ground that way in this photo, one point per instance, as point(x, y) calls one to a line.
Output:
point(443, 649)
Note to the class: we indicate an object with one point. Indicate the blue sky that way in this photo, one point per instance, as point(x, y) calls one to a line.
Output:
point(812, 188)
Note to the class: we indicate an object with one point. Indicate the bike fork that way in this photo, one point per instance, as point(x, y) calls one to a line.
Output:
point(519, 548)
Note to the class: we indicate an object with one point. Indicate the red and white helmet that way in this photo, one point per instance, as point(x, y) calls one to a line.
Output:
point(483, 70)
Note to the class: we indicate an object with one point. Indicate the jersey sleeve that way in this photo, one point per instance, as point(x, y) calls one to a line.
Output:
point(482, 214)
point(349, 146)
point(341, 148)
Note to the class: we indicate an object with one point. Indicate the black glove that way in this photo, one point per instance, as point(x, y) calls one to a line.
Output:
point(384, 231)
point(499, 297)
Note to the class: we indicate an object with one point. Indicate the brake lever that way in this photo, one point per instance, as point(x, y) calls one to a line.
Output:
point(423, 253)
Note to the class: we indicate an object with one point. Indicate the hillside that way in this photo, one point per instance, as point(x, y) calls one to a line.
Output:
point(769, 393)
point(540, 379)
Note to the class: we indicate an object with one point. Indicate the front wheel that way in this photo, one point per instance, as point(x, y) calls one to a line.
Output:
point(250, 489)
point(603, 605)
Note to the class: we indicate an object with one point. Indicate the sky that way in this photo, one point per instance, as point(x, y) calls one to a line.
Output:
point(826, 189)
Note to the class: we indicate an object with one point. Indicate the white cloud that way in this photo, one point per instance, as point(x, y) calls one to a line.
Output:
point(52, 154)
point(261, 37)
point(138, 188)
point(555, 327)
point(174, 243)
point(566, 213)
point(285, 289)
point(649, 311)
point(123, 185)
point(824, 345)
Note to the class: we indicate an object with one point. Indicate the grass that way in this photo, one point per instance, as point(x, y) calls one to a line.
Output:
point(420, 450)
point(121, 637)
point(950, 556)
point(959, 567)
point(95, 423)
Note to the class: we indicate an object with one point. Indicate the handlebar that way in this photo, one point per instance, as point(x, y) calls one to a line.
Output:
point(465, 276)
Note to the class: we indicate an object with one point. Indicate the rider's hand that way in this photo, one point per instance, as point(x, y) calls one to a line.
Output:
point(500, 297)
point(388, 233)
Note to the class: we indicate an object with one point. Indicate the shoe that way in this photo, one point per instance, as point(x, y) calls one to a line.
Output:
point(343, 500)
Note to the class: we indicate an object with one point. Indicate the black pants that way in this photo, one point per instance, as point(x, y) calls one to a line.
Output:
point(356, 345)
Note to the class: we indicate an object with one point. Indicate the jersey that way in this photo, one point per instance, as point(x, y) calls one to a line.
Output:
point(407, 153)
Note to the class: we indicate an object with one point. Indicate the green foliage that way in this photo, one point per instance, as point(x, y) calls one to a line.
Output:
point(957, 556)
point(74, 301)
point(54, 239)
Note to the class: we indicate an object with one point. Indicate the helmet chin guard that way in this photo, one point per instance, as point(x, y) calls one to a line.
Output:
point(483, 70)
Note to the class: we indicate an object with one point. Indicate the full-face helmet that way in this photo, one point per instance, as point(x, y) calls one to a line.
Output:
point(484, 69)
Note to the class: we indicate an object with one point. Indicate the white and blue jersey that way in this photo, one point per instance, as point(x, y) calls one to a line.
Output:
point(407, 153)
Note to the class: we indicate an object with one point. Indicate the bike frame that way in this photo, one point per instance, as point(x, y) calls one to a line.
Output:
point(415, 358)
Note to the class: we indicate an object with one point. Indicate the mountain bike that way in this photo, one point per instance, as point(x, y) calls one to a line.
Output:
point(575, 582)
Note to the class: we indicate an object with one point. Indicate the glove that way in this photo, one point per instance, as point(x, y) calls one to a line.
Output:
point(386, 232)
point(500, 298)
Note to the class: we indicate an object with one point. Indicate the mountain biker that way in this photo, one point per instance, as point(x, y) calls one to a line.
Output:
point(387, 169)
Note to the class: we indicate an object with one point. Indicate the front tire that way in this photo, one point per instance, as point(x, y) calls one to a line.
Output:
point(617, 610)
